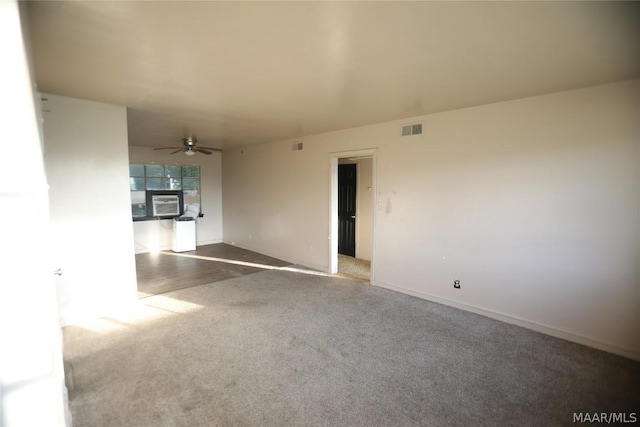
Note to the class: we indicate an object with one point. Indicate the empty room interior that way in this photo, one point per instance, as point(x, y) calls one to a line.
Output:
point(320, 213)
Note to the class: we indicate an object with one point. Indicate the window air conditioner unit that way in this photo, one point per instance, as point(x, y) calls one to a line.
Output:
point(165, 205)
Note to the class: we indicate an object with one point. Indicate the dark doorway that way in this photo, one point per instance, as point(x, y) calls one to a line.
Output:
point(347, 209)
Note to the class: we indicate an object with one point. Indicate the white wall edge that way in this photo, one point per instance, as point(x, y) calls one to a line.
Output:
point(538, 327)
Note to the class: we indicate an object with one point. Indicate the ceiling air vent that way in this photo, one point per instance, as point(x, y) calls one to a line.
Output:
point(413, 129)
point(298, 146)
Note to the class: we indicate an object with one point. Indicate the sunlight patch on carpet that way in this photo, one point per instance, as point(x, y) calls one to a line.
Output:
point(149, 309)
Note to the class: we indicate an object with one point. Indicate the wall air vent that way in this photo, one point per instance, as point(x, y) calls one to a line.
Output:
point(413, 129)
point(298, 146)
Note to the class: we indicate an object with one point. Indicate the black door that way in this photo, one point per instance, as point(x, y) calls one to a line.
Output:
point(347, 210)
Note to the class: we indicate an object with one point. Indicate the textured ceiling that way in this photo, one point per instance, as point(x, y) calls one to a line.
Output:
point(243, 73)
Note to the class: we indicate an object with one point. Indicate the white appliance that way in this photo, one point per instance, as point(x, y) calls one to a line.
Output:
point(184, 234)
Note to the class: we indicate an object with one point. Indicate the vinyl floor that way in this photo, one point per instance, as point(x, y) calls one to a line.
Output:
point(167, 271)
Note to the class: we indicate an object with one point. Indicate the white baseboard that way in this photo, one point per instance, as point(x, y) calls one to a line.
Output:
point(535, 326)
point(209, 242)
point(323, 269)
point(145, 250)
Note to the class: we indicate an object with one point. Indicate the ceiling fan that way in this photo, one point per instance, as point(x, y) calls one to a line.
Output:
point(189, 147)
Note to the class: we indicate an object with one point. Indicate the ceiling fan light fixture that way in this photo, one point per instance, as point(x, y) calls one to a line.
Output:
point(189, 147)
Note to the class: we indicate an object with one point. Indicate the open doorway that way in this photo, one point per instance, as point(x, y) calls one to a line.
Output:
point(352, 213)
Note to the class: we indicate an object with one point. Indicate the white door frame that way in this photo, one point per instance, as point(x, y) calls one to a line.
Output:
point(333, 205)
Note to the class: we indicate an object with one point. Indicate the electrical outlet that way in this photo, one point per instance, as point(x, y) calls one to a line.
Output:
point(456, 284)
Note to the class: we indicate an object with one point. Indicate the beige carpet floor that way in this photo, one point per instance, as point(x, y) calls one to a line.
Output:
point(355, 267)
point(287, 348)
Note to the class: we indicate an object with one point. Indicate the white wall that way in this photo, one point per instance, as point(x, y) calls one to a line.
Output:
point(151, 236)
point(32, 388)
point(88, 170)
point(533, 204)
point(364, 206)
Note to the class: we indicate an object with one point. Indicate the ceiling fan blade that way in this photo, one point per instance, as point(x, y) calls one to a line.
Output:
point(190, 147)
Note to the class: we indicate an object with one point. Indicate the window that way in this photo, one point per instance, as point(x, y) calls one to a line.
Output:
point(143, 178)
